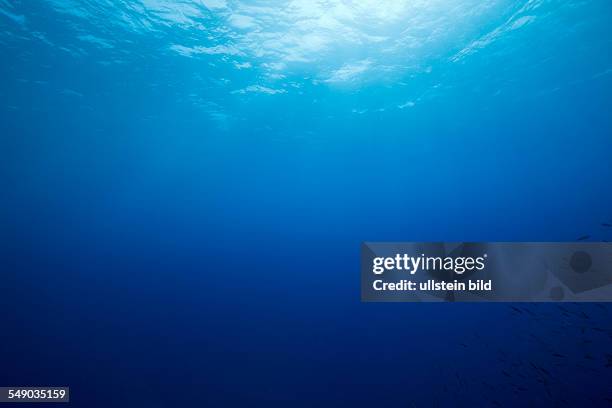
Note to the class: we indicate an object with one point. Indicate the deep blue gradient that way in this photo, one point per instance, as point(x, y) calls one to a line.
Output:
point(180, 227)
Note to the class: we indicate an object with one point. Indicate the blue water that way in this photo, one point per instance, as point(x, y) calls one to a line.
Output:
point(185, 185)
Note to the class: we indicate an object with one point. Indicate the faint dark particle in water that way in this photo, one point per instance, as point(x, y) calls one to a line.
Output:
point(548, 392)
point(557, 293)
point(564, 311)
point(581, 262)
point(599, 329)
point(605, 224)
point(529, 312)
point(539, 369)
point(609, 360)
point(516, 310)
point(489, 386)
point(601, 306)
point(583, 238)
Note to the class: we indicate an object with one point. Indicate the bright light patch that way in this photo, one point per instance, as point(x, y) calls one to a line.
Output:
point(333, 42)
